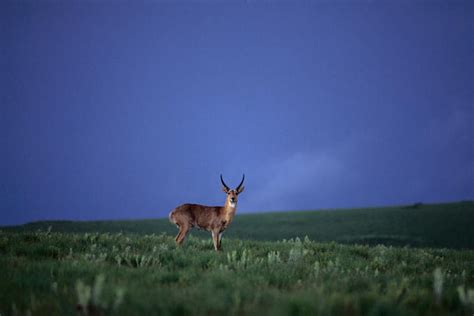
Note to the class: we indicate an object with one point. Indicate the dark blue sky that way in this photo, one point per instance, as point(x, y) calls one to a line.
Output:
point(126, 109)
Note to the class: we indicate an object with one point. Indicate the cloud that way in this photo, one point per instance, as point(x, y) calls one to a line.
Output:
point(298, 177)
point(450, 129)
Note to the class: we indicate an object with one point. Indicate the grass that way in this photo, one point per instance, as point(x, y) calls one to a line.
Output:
point(138, 272)
point(417, 225)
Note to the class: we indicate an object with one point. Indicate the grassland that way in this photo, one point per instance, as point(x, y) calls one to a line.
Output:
point(437, 225)
point(131, 268)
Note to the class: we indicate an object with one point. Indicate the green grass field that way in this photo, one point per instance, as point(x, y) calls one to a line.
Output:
point(414, 260)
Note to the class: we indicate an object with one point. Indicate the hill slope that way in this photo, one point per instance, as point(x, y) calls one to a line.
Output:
point(437, 225)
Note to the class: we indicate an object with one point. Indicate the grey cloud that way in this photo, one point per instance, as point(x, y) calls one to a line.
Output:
point(297, 175)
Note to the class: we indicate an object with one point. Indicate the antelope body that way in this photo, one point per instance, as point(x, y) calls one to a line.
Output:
point(211, 218)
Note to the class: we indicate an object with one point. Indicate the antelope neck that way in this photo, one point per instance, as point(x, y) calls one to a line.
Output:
point(229, 210)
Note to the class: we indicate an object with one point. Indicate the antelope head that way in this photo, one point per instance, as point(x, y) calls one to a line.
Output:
point(232, 194)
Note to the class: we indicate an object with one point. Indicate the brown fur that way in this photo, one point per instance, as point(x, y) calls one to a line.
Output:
point(214, 219)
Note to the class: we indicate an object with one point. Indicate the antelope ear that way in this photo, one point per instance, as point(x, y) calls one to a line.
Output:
point(241, 190)
point(225, 189)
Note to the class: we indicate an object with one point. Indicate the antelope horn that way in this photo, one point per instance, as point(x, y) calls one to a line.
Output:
point(223, 183)
point(241, 182)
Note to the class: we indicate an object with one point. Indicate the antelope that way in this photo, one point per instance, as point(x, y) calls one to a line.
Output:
point(215, 219)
